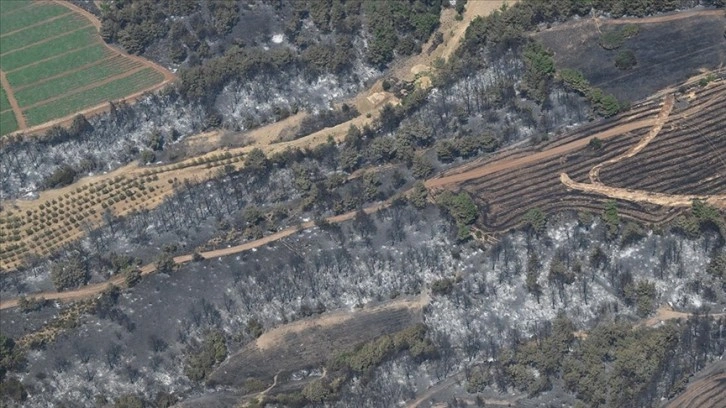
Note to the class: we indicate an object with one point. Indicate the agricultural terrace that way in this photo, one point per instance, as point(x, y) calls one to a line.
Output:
point(684, 158)
point(54, 64)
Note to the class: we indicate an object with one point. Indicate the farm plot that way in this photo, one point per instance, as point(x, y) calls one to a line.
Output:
point(685, 158)
point(55, 64)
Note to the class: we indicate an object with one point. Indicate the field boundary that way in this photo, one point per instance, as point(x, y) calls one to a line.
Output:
point(64, 73)
point(43, 41)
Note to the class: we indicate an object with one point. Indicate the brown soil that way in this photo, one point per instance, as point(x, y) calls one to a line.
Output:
point(510, 183)
point(707, 392)
point(311, 342)
point(666, 200)
point(19, 118)
point(657, 126)
point(277, 335)
point(639, 196)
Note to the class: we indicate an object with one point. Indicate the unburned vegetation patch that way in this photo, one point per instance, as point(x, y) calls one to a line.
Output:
point(311, 346)
point(666, 52)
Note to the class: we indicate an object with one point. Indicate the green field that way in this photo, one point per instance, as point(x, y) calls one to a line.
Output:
point(67, 83)
point(53, 28)
point(7, 122)
point(12, 21)
point(56, 64)
point(4, 104)
point(109, 91)
point(8, 6)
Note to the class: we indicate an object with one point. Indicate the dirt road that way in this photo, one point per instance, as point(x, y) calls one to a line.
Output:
point(118, 280)
point(532, 158)
point(640, 196)
point(660, 120)
point(598, 21)
point(10, 94)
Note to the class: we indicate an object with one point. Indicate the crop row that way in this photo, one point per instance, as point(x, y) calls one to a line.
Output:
point(9, 6)
point(69, 21)
point(56, 46)
point(75, 102)
point(58, 64)
point(74, 80)
point(58, 221)
point(23, 18)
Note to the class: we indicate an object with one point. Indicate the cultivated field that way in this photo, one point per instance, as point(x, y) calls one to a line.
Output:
point(707, 392)
point(54, 64)
point(685, 159)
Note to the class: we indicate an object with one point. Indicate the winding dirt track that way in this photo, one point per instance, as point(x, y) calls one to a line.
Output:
point(657, 126)
point(640, 196)
point(598, 21)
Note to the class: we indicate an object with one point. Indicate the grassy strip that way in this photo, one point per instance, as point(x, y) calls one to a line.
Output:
point(68, 83)
point(39, 13)
point(106, 92)
point(7, 122)
point(41, 32)
point(57, 65)
point(53, 47)
point(4, 103)
point(8, 6)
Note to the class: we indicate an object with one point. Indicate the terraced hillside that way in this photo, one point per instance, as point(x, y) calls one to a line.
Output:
point(685, 158)
point(54, 64)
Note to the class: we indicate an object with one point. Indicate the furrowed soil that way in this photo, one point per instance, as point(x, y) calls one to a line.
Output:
point(688, 138)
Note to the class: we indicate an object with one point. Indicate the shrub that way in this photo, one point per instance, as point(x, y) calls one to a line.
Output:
point(70, 273)
point(132, 276)
point(129, 401)
point(625, 60)
point(200, 362)
point(31, 304)
point(63, 176)
point(535, 220)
